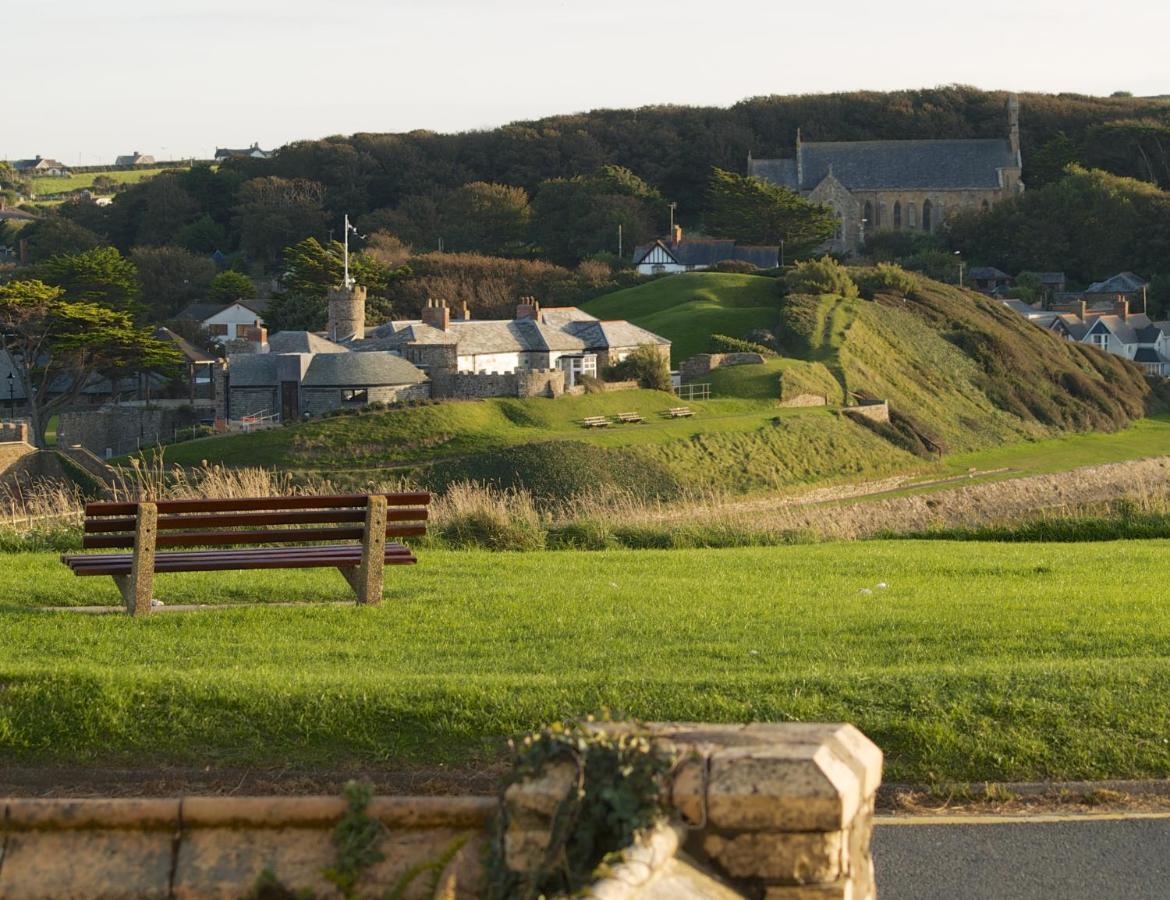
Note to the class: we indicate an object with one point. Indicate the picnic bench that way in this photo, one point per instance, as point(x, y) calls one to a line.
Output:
point(596, 422)
point(630, 418)
point(230, 535)
point(679, 412)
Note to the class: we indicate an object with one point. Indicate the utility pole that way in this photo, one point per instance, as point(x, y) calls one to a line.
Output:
point(960, 255)
point(619, 240)
point(672, 206)
point(348, 282)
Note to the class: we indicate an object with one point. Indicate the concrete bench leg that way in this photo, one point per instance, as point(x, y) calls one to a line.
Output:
point(138, 587)
point(366, 578)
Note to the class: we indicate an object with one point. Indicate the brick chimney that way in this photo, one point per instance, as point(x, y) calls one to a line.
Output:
point(1121, 307)
point(676, 238)
point(462, 311)
point(528, 308)
point(1083, 309)
point(437, 314)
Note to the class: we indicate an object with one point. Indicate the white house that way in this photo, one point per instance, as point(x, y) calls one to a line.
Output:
point(676, 255)
point(239, 321)
point(223, 154)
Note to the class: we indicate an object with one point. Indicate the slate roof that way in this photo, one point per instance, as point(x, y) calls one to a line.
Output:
point(189, 350)
point(987, 273)
point(302, 342)
point(879, 165)
point(1121, 283)
point(706, 252)
point(202, 310)
point(1148, 355)
point(360, 370)
point(1047, 278)
point(254, 370)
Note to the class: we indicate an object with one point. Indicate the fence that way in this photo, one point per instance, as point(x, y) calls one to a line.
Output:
point(693, 391)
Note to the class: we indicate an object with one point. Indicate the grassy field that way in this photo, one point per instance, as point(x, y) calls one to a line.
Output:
point(689, 308)
point(978, 661)
point(81, 180)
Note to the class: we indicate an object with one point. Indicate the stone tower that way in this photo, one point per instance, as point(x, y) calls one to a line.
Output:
point(347, 313)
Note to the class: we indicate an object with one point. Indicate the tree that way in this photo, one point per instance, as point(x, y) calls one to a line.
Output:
point(102, 276)
point(56, 346)
point(272, 213)
point(647, 365)
point(54, 235)
point(167, 209)
point(752, 211)
point(230, 286)
point(170, 278)
point(204, 235)
point(491, 218)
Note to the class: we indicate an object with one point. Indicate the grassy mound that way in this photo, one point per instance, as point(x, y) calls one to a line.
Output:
point(689, 308)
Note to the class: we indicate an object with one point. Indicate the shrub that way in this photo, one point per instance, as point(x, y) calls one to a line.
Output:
point(646, 364)
point(471, 515)
point(721, 343)
point(820, 276)
point(736, 266)
point(884, 278)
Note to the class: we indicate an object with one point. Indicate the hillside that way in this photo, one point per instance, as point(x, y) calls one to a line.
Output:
point(81, 180)
point(960, 372)
point(689, 308)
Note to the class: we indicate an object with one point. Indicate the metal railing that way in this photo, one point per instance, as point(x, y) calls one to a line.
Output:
point(693, 392)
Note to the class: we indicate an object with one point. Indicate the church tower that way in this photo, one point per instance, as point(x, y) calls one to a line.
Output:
point(347, 313)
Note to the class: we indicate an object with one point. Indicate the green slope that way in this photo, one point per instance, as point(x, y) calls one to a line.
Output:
point(689, 308)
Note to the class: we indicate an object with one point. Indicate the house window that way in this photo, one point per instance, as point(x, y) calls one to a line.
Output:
point(897, 215)
point(354, 395)
point(1100, 339)
point(217, 330)
point(926, 210)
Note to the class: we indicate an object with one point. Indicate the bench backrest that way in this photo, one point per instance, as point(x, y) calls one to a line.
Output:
point(254, 520)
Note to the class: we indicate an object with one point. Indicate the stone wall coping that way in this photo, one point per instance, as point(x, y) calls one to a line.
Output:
point(22, 813)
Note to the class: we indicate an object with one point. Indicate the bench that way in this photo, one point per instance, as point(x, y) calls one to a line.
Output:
point(630, 418)
point(596, 422)
point(679, 412)
point(224, 529)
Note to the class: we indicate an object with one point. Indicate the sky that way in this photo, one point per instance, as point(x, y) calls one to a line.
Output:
point(85, 81)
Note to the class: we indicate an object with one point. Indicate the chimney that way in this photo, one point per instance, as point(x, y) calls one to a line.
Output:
point(437, 314)
point(463, 310)
point(1084, 308)
point(528, 308)
point(676, 238)
point(1121, 307)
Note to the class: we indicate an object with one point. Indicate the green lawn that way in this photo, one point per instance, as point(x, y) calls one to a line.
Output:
point(689, 308)
point(979, 661)
point(81, 180)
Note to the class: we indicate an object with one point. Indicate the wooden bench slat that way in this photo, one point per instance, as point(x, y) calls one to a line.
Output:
point(89, 560)
point(225, 564)
point(245, 504)
point(275, 536)
point(236, 520)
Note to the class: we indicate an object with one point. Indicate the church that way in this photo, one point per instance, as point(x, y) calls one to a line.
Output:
point(899, 185)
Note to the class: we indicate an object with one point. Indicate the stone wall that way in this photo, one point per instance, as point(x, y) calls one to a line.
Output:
point(122, 429)
point(875, 412)
point(479, 385)
point(253, 401)
point(780, 811)
point(804, 400)
point(14, 431)
point(701, 365)
point(316, 401)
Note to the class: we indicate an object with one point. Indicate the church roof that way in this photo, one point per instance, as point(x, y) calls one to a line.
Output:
point(880, 165)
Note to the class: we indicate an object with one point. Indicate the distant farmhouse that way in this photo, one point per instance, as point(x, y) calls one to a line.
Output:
point(899, 185)
point(239, 321)
point(135, 159)
point(677, 255)
point(222, 154)
point(39, 165)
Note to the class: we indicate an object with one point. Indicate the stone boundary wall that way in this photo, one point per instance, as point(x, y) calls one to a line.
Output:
point(701, 365)
point(875, 412)
point(121, 429)
point(479, 385)
point(805, 400)
point(14, 431)
point(779, 811)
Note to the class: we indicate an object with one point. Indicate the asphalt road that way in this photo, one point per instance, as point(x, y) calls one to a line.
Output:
point(1086, 858)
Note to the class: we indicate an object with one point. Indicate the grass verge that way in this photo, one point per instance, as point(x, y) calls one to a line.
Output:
point(977, 662)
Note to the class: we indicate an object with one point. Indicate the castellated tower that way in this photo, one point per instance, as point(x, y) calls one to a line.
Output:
point(347, 313)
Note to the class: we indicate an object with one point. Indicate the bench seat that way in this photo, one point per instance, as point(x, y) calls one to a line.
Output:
point(332, 556)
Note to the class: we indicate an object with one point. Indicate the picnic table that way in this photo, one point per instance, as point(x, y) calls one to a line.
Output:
point(627, 418)
point(679, 412)
point(596, 422)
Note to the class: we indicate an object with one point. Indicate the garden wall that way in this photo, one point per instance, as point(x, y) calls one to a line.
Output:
point(701, 365)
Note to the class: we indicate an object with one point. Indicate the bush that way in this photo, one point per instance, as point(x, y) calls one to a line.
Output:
point(592, 384)
point(721, 343)
point(471, 515)
point(820, 276)
point(735, 266)
point(647, 365)
point(884, 278)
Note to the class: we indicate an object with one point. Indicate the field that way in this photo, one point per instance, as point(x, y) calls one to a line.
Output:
point(82, 180)
point(689, 308)
point(976, 661)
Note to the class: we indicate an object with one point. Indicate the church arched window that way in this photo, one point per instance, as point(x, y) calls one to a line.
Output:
point(926, 211)
point(897, 215)
point(868, 213)
point(881, 214)
point(911, 215)
point(986, 206)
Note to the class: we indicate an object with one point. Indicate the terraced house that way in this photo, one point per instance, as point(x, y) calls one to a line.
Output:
point(899, 185)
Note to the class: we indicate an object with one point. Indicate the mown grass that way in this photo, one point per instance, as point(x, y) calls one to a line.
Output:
point(689, 308)
point(978, 661)
point(81, 180)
